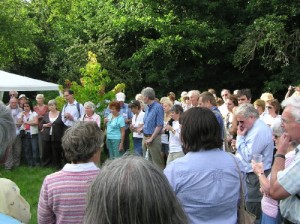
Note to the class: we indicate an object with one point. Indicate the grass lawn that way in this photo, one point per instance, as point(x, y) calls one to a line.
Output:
point(29, 180)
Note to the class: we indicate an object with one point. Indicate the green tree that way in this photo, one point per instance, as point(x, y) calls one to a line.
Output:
point(18, 35)
point(272, 39)
point(93, 85)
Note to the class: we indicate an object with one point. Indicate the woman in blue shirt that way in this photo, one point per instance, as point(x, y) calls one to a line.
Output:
point(206, 180)
point(115, 131)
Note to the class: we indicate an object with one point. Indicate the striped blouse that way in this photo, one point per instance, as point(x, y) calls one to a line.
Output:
point(63, 194)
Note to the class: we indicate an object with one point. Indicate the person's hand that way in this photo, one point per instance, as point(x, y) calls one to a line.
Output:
point(139, 130)
point(169, 127)
point(131, 127)
point(148, 141)
point(106, 120)
point(283, 144)
point(258, 168)
point(121, 147)
point(290, 88)
point(241, 130)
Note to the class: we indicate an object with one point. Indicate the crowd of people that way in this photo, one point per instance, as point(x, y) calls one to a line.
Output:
point(191, 156)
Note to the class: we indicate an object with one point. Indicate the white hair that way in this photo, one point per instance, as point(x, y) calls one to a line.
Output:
point(294, 102)
point(7, 129)
point(90, 104)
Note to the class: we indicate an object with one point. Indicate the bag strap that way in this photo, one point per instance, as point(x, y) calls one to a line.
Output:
point(242, 196)
point(78, 109)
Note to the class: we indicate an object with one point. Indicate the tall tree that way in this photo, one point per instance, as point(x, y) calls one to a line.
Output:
point(18, 36)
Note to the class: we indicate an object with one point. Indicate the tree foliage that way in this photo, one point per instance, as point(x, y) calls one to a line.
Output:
point(18, 35)
point(93, 85)
point(169, 45)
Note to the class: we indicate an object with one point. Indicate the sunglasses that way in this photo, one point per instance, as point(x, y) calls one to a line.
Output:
point(225, 94)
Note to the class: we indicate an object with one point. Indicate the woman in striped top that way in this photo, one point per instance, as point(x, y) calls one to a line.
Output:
point(63, 194)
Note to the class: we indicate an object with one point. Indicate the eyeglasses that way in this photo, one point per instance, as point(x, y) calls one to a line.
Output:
point(284, 121)
point(26, 106)
point(225, 94)
point(269, 107)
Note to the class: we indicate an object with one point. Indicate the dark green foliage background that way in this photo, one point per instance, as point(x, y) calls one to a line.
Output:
point(169, 45)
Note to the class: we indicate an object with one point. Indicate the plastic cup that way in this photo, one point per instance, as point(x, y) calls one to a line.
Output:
point(257, 158)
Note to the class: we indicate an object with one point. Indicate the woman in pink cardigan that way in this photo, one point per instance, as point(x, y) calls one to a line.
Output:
point(63, 194)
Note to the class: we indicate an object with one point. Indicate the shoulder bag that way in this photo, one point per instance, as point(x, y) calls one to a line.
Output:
point(244, 216)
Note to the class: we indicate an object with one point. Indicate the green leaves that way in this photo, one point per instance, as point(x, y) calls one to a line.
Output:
point(18, 35)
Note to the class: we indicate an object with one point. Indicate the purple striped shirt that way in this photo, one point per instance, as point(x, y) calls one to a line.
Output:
point(63, 194)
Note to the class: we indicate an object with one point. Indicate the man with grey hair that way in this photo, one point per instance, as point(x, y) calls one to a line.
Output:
point(7, 130)
point(253, 137)
point(225, 93)
point(285, 183)
point(14, 150)
point(14, 208)
point(153, 123)
point(194, 97)
point(13, 93)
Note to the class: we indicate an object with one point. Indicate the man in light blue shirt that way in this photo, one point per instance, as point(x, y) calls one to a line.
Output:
point(253, 137)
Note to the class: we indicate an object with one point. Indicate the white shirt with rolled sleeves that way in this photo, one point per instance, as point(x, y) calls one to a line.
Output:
point(257, 140)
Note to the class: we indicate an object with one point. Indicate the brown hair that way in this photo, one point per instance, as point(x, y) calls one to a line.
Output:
point(115, 104)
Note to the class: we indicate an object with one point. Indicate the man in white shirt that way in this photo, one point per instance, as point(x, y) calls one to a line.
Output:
point(72, 110)
point(225, 93)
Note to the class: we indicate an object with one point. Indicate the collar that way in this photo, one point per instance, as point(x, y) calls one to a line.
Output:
point(70, 167)
point(74, 103)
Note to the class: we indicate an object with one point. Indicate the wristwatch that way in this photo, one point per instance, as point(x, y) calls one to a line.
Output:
point(280, 156)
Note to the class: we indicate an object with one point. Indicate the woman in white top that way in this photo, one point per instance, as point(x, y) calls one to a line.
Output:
point(89, 113)
point(167, 104)
point(52, 129)
point(273, 116)
point(29, 120)
point(136, 126)
point(175, 148)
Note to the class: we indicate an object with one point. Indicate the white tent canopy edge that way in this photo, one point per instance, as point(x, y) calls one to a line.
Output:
point(10, 81)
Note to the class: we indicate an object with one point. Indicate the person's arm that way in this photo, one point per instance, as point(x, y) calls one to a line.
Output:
point(98, 121)
point(121, 146)
point(34, 122)
point(63, 118)
point(156, 132)
point(258, 169)
point(233, 128)
point(277, 192)
point(45, 213)
point(288, 93)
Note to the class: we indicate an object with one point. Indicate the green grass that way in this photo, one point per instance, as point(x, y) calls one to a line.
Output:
point(29, 180)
